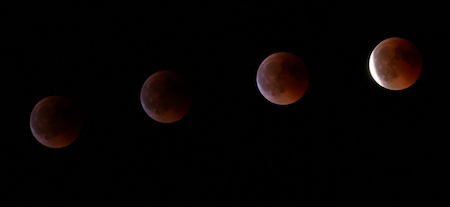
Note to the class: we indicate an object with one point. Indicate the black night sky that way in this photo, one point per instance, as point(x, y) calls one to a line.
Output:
point(347, 140)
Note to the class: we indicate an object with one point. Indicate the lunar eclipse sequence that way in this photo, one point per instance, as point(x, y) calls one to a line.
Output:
point(282, 78)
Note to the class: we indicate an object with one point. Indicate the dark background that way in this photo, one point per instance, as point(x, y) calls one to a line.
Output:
point(347, 140)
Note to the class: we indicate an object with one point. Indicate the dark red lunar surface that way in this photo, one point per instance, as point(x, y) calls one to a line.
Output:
point(55, 121)
point(282, 78)
point(395, 63)
point(166, 96)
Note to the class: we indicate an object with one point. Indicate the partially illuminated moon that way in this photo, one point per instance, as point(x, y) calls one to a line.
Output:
point(166, 96)
point(395, 63)
point(55, 122)
point(282, 78)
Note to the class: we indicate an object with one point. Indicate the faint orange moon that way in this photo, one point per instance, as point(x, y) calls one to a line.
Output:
point(395, 63)
point(55, 122)
point(282, 78)
point(166, 96)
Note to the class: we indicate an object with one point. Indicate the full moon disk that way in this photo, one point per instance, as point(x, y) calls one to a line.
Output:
point(55, 121)
point(282, 78)
point(395, 63)
point(166, 96)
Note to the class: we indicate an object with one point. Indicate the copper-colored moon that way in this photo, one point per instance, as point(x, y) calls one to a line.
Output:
point(166, 96)
point(282, 78)
point(395, 63)
point(55, 121)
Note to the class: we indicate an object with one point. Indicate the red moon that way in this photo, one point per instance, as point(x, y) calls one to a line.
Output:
point(282, 78)
point(395, 63)
point(166, 96)
point(55, 122)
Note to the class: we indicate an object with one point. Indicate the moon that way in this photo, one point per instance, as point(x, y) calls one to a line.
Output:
point(166, 96)
point(395, 63)
point(55, 121)
point(282, 78)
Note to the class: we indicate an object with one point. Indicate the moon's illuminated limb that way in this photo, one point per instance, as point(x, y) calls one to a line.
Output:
point(372, 68)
